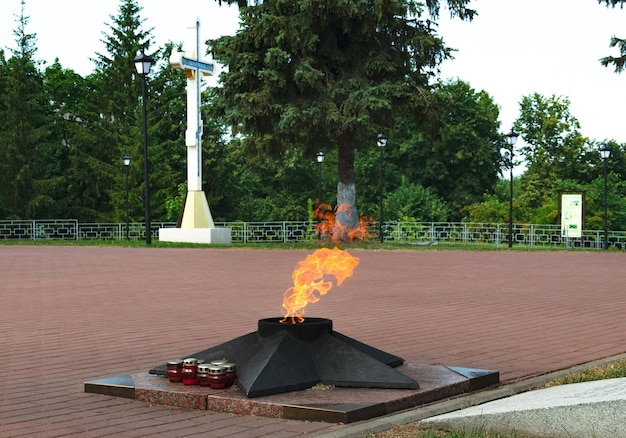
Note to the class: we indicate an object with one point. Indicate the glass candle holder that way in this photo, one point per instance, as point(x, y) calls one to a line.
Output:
point(175, 370)
point(190, 370)
point(217, 376)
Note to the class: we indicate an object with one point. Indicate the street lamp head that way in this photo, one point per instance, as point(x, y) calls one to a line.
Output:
point(320, 157)
point(126, 160)
point(382, 140)
point(605, 152)
point(143, 63)
point(511, 138)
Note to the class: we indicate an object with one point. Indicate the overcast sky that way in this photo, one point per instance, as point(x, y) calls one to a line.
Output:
point(518, 47)
point(512, 48)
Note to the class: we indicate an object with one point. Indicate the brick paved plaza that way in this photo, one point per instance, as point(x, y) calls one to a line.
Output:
point(70, 314)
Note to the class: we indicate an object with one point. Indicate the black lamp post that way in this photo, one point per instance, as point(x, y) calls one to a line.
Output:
point(382, 142)
point(511, 139)
point(126, 165)
point(605, 152)
point(320, 160)
point(143, 63)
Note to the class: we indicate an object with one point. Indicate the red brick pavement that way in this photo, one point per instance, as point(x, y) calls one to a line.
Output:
point(73, 314)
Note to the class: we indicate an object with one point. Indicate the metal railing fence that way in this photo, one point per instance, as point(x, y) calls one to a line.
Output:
point(416, 233)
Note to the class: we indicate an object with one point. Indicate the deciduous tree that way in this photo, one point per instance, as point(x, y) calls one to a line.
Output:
point(554, 149)
point(457, 154)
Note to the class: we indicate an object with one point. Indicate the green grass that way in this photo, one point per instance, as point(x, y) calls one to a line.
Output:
point(412, 431)
point(613, 370)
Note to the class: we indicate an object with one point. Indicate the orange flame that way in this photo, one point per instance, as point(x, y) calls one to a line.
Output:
point(328, 227)
point(308, 280)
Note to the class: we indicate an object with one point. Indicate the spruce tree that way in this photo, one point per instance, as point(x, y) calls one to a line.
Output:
point(25, 134)
point(320, 74)
point(114, 109)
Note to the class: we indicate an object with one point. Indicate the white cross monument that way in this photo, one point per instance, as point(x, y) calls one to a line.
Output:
point(197, 224)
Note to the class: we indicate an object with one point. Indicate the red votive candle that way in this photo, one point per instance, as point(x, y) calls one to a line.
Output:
point(203, 374)
point(231, 374)
point(175, 370)
point(190, 371)
point(217, 376)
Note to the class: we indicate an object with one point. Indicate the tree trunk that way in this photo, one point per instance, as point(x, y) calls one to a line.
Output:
point(347, 218)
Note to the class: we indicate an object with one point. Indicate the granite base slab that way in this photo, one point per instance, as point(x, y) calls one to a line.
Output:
point(320, 403)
